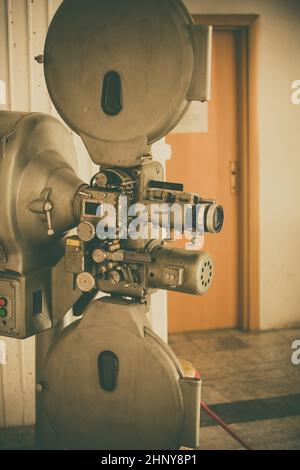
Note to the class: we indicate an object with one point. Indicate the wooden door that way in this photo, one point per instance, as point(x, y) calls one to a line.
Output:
point(203, 162)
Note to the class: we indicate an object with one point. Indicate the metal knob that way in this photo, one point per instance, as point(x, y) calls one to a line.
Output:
point(114, 277)
point(85, 282)
point(86, 231)
point(99, 255)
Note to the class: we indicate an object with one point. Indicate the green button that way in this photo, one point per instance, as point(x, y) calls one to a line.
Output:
point(3, 312)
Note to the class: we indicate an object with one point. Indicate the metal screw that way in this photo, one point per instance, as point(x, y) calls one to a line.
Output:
point(136, 172)
point(40, 58)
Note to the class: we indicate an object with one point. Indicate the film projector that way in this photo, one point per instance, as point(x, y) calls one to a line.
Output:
point(121, 74)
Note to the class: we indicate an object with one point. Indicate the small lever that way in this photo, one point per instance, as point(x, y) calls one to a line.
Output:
point(48, 206)
point(43, 205)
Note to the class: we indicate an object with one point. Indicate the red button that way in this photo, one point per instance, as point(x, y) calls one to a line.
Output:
point(3, 301)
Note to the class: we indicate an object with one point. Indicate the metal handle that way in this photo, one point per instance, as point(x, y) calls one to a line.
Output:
point(234, 177)
point(48, 206)
point(43, 205)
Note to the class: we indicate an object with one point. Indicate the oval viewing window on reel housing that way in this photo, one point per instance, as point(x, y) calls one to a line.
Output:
point(111, 99)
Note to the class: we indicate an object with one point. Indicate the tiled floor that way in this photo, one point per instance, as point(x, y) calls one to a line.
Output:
point(238, 367)
point(248, 378)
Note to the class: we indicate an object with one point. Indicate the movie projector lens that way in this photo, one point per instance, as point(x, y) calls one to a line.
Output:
point(208, 216)
point(213, 218)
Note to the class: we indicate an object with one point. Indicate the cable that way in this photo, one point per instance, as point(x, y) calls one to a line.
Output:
point(218, 420)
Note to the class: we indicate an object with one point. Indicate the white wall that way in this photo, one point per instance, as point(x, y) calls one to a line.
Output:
point(23, 27)
point(279, 146)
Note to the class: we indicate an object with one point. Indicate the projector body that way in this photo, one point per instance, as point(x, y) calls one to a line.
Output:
point(105, 380)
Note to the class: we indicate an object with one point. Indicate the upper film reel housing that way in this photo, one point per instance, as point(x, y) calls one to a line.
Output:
point(125, 86)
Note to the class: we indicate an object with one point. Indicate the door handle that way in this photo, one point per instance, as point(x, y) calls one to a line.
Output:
point(234, 177)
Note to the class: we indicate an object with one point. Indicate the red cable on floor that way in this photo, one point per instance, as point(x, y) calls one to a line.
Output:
point(218, 420)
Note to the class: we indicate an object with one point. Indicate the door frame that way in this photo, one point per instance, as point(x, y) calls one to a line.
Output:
point(247, 27)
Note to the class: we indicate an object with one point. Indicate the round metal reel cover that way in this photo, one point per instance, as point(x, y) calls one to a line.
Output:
point(119, 72)
point(143, 411)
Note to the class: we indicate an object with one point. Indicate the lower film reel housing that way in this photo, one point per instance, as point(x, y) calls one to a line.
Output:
point(110, 383)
